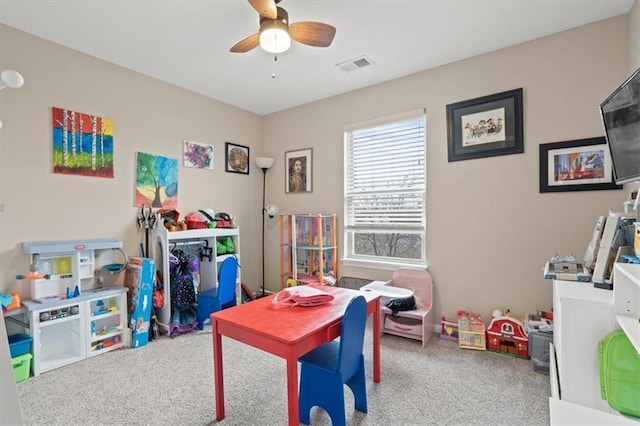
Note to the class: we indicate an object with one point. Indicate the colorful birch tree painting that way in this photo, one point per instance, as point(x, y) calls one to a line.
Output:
point(156, 181)
point(82, 144)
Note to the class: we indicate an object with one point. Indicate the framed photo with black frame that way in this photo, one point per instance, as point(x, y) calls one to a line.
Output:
point(298, 171)
point(577, 165)
point(485, 127)
point(236, 158)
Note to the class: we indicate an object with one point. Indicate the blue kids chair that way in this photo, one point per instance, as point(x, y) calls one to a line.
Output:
point(326, 369)
point(220, 297)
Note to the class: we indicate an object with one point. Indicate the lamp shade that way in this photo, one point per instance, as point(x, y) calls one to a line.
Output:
point(11, 78)
point(274, 33)
point(272, 210)
point(265, 162)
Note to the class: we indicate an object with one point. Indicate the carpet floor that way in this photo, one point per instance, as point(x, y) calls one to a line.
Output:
point(170, 382)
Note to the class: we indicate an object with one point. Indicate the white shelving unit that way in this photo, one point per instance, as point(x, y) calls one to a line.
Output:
point(583, 316)
point(626, 300)
point(308, 248)
point(106, 331)
point(161, 245)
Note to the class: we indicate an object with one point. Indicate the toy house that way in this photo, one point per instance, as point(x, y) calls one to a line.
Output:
point(507, 335)
point(471, 331)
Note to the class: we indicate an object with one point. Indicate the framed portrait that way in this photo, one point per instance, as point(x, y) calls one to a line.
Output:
point(578, 165)
point(486, 126)
point(298, 171)
point(236, 158)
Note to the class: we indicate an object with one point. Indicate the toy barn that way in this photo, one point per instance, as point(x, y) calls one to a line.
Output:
point(507, 335)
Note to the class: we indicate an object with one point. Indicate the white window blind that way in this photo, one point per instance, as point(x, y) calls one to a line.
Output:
point(385, 187)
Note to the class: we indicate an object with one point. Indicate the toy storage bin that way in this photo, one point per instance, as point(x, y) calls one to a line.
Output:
point(19, 344)
point(619, 373)
point(539, 350)
point(21, 367)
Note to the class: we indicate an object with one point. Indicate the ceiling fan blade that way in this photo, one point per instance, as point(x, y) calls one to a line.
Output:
point(266, 8)
point(312, 33)
point(246, 44)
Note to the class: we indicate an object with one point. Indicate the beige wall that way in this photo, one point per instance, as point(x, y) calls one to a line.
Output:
point(148, 115)
point(634, 37)
point(490, 231)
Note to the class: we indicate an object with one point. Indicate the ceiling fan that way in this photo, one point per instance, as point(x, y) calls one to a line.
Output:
point(275, 32)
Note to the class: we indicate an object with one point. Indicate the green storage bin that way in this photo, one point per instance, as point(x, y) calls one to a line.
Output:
point(21, 367)
point(619, 371)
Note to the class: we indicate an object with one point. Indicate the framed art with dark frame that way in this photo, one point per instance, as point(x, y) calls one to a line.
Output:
point(236, 158)
point(577, 165)
point(486, 126)
point(298, 171)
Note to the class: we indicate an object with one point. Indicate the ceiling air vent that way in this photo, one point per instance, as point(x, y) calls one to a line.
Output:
point(354, 64)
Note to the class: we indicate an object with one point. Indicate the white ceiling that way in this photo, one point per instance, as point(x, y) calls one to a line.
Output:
point(187, 42)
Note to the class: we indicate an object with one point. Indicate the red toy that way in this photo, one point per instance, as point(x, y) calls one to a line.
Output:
point(507, 335)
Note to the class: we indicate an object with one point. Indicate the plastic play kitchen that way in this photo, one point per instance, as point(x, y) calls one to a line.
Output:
point(69, 314)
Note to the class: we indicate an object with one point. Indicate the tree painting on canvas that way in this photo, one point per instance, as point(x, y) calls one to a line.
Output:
point(156, 181)
point(82, 144)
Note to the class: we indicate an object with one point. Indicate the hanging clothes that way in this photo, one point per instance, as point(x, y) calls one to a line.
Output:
point(183, 295)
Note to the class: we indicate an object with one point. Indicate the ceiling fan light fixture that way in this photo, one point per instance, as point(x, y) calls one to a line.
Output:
point(274, 36)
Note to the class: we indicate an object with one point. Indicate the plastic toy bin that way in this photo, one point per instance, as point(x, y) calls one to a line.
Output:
point(21, 367)
point(19, 344)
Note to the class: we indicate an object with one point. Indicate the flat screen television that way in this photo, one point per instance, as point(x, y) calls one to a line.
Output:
point(620, 114)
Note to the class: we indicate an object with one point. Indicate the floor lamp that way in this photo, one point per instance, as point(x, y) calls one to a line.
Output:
point(265, 164)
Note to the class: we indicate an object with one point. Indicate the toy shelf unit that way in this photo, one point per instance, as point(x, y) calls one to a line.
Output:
point(471, 331)
point(308, 249)
point(626, 300)
point(202, 243)
point(71, 330)
point(448, 329)
point(63, 269)
point(107, 329)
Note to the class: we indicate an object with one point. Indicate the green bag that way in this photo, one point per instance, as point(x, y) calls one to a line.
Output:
point(619, 371)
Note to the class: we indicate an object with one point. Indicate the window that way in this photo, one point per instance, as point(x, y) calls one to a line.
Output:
point(385, 192)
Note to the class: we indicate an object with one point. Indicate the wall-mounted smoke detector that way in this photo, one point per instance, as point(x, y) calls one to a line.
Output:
point(356, 63)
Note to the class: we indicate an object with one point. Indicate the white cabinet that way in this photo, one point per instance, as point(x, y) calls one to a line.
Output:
point(626, 300)
point(70, 330)
point(58, 334)
point(583, 316)
point(196, 240)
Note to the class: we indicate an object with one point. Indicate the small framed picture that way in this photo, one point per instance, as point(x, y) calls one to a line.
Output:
point(197, 155)
point(486, 126)
point(236, 158)
point(578, 165)
point(298, 171)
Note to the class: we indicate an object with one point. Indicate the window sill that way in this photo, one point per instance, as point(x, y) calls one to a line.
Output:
point(377, 264)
